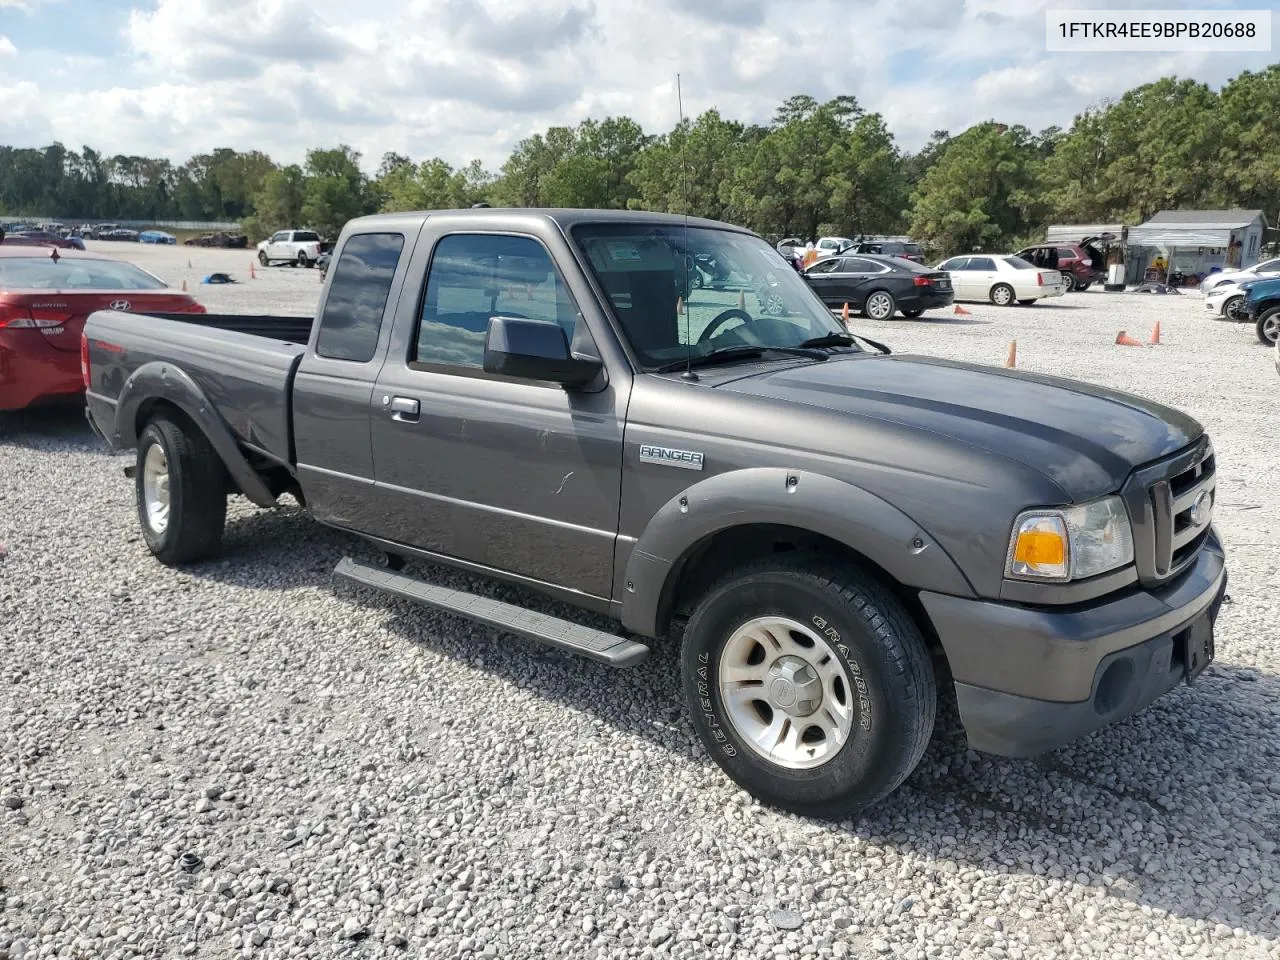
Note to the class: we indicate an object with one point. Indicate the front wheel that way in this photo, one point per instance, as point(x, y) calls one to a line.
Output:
point(1268, 326)
point(180, 486)
point(1028, 303)
point(1233, 309)
point(880, 305)
point(913, 313)
point(262, 258)
point(809, 684)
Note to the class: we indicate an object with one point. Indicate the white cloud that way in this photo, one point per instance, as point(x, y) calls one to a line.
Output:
point(7, 49)
point(469, 78)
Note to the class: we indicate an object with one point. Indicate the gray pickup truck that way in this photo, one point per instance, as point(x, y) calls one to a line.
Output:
point(834, 533)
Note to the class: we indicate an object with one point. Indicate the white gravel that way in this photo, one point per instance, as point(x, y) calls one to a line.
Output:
point(243, 760)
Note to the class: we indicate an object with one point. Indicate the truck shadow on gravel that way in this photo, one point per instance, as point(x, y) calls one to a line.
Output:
point(1175, 810)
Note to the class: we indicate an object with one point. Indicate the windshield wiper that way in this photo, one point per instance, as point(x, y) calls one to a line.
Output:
point(843, 339)
point(744, 352)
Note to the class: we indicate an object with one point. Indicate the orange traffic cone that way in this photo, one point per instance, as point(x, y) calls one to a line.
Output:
point(1012, 360)
point(961, 311)
point(844, 315)
point(1155, 334)
point(252, 274)
point(1124, 340)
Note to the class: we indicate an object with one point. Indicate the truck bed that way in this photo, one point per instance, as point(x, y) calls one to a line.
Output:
point(244, 364)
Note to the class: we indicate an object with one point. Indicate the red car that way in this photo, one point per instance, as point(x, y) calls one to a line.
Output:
point(45, 295)
point(44, 238)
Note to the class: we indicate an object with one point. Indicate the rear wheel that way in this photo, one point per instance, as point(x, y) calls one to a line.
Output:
point(1268, 326)
point(1082, 287)
point(304, 260)
point(913, 313)
point(880, 305)
point(262, 257)
point(1070, 280)
point(181, 492)
point(1028, 303)
point(809, 684)
point(1002, 295)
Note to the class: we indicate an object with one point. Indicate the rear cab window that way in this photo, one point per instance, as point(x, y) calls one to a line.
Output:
point(473, 277)
point(359, 287)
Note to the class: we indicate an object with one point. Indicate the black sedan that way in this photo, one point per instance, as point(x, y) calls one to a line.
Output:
point(879, 286)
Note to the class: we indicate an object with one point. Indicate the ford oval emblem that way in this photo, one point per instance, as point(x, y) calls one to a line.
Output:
point(1200, 508)
point(120, 305)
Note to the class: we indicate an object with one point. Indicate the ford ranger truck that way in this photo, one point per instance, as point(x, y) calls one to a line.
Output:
point(831, 532)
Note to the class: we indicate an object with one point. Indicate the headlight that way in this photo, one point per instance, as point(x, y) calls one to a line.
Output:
point(1072, 543)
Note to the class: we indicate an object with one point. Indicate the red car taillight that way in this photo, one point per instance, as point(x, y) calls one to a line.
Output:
point(20, 318)
point(922, 281)
point(84, 360)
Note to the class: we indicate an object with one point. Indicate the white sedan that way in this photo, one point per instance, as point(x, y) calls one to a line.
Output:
point(1002, 279)
point(1264, 270)
point(1225, 300)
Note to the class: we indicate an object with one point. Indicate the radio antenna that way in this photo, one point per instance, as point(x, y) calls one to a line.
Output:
point(688, 279)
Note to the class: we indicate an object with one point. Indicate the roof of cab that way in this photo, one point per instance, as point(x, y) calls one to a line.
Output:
point(562, 217)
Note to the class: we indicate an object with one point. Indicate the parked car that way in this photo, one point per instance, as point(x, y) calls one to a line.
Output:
point(44, 238)
point(44, 300)
point(878, 286)
point(1226, 300)
point(1262, 308)
point(219, 239)
point(792, 248)
point(907, 250)
point(1081, 265)
point(156, 236)
point(301, 248)
point(1259, 271)
point(817, 523)
point(830, 246)
point(1002, 279)
point(120, 235)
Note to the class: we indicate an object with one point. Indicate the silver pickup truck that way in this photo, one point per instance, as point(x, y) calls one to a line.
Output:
point(833, 533)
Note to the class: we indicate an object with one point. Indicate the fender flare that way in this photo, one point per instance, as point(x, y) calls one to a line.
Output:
point(813, 502)
point(159, 380)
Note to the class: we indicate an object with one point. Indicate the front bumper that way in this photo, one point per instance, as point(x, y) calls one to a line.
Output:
point(1029, 679)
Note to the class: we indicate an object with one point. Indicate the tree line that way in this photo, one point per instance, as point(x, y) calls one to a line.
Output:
point(816, 168)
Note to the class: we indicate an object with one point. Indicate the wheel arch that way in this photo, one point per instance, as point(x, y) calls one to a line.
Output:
point(736, 517)
point(160, 386)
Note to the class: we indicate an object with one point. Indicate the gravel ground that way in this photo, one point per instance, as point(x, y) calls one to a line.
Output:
point(244, 759)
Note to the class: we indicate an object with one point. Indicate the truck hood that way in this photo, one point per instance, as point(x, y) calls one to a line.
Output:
point(1084, 438)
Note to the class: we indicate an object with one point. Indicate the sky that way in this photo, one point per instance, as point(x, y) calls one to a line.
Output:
point(463, 79)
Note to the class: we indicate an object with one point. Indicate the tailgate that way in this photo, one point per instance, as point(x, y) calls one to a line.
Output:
point(245, 377)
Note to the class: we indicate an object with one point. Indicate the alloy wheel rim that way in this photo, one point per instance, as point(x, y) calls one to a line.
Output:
point(787, 694)
point(878, 306)
point(1271, 328)
point(1003, 296)
point(155, 488)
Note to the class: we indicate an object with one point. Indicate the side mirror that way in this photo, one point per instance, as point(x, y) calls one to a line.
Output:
point(535, 350)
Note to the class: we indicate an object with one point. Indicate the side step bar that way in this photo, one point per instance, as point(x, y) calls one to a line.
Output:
point(593, 644)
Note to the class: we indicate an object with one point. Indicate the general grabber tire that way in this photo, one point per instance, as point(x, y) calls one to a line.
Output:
point(181, 492)
point(788, 654)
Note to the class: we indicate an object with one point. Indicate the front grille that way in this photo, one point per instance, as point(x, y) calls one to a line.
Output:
point(1171, 506)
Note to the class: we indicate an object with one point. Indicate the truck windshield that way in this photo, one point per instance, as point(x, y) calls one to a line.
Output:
point(73, 273)
point(681, 293)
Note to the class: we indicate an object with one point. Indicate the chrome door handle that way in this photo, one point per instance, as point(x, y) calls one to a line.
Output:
point(403, 408)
